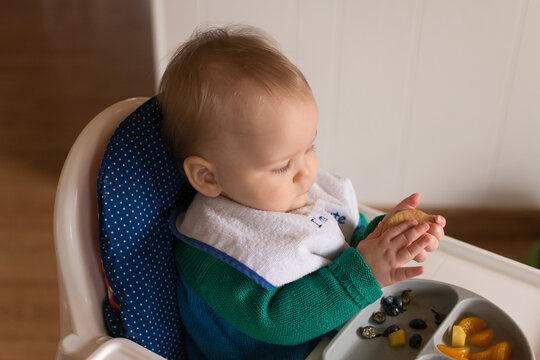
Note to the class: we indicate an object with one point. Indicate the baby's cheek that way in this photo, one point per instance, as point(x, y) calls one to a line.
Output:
point(274, 199)
point(313, 165)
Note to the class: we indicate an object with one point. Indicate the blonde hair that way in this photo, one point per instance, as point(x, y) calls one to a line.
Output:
point(204, 77)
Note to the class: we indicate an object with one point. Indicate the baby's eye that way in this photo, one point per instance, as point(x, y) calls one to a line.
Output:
point(312, 148)
point(283, 169)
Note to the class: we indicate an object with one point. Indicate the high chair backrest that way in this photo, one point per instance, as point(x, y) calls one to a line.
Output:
point(80, 279)
point(135, 247)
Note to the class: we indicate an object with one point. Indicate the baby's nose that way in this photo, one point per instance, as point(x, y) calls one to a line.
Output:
point(303, 173)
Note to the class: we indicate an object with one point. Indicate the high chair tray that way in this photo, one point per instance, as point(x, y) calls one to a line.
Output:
point(429, 299)
point(512, 287)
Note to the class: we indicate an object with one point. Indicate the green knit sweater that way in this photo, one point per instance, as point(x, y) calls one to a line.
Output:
point(291, 314)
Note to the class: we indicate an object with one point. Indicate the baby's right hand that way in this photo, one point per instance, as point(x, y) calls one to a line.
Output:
point(387, 253)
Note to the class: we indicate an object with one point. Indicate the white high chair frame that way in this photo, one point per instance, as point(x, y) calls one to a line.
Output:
point(80, 280)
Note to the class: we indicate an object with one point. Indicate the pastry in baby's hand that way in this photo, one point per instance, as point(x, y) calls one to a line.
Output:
point(405, 215)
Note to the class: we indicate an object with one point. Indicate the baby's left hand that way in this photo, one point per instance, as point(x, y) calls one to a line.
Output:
point(436, 229)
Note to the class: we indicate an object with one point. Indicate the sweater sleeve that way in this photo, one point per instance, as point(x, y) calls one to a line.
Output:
point(291, 314)
point(364, 229)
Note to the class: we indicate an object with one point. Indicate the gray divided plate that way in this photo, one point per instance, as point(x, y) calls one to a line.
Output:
point(454, 301)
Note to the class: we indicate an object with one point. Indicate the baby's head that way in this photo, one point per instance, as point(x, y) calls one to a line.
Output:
point(240, 119)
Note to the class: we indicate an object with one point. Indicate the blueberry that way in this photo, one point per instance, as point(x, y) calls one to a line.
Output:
point(392, 310)
point(378, 317)
point(368, 332)
point(415, 341)
point(418, 324)
point(406, 296)
point(391, 329)
point(387, 301)
point(398, 302)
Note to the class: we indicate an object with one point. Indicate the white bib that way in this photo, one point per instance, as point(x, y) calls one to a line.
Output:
point(275, 248)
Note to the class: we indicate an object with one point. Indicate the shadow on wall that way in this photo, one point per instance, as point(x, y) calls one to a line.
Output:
point(511, 197)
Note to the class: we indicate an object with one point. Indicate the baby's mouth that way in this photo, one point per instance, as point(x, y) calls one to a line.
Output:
point(307, 191)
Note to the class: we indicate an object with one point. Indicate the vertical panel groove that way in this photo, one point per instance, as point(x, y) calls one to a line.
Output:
point(338, 26)
point(506, 97)
point(293, 29)
point(202, 12)
point(408, 99)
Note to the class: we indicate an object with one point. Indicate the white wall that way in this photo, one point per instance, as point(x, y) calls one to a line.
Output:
point(437, 97)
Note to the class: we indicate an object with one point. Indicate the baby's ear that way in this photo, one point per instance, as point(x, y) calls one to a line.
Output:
point(202, 176)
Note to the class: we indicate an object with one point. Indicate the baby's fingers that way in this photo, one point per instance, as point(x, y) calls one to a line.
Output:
point(410, 202)
point(415, 249)
point(408, 272)
point(406, 236)
point(423, 256)
point(399, 229)
point(436, 230)
point(432, 243)
point(440, 220)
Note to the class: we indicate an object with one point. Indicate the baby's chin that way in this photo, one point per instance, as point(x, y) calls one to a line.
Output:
point(299, 202)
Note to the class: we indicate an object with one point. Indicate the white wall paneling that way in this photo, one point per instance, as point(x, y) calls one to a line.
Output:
point(516, 164)
point(436, 97)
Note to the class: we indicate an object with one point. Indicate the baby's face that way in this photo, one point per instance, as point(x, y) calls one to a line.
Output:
point(266, 159)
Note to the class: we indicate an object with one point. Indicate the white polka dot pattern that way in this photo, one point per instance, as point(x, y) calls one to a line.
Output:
point(138, 187)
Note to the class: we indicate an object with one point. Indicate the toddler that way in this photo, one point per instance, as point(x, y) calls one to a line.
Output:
point(272, 253)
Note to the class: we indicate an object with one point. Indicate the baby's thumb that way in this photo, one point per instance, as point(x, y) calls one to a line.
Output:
point(408, 272)
point(378, 229)
point(410, 202)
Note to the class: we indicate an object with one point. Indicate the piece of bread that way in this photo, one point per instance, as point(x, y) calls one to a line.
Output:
point(405, 215)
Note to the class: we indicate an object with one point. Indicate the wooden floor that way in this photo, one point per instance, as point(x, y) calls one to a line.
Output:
point(61, 62)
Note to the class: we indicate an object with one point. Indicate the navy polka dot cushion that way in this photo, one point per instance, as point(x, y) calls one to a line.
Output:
point(138, 187)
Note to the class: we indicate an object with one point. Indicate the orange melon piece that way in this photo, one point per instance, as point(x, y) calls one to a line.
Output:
point(501, 351)
point(455, 353)
point(482, 355)
point(472, 325)
point(481, 338)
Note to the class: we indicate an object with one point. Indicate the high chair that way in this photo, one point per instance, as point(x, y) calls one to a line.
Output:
point(81, 284)
point(91, 182)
